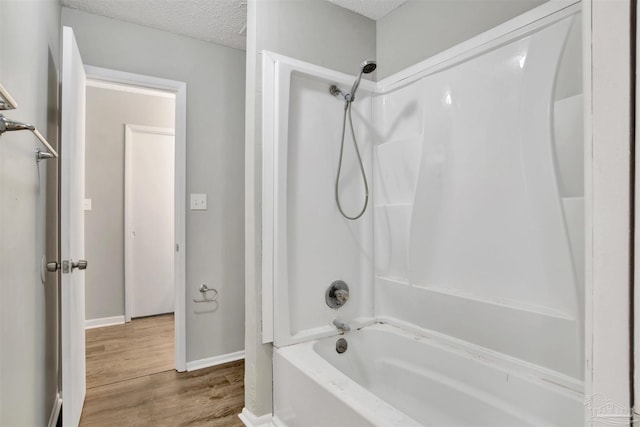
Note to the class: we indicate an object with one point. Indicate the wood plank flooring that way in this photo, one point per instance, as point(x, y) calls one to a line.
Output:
point(131, 381)
point(141, 347)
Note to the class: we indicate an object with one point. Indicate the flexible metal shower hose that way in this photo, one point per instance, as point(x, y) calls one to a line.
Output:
point(347, 110)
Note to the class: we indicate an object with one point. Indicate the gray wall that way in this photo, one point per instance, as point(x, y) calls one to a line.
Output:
point(314, 31)
point(29, 67)
point(215, 130)
point(107, 113)
point(419, 29)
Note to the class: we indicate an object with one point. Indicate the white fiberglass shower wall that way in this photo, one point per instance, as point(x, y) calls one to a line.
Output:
point(474, 229)
point(473, 240)
point(314, 245)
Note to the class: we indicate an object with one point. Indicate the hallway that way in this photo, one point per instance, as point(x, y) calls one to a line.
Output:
point(131, 380)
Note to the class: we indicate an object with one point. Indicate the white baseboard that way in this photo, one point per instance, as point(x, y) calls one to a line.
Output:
point(250, 420)
point(105, 321)
point(213, 361)
point(55, 411)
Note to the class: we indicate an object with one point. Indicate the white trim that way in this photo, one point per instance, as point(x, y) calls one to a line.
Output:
point(268, 195)
point(250, 420)
point(150, 129)
point(635, 315)
point(607, 76)
point(120, 87)
point(103, 321)
point(180, 90)
point(55, 411)
point(213, 361)
point(587, 117)
point(123, 78)
point(129, 130)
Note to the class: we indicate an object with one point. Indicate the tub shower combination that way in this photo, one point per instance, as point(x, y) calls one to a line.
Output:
point(454, 295)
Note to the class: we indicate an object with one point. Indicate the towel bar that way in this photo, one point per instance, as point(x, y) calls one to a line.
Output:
point(7, 125)
point(204, 289)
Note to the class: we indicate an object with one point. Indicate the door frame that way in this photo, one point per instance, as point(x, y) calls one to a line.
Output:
point(129, 130)
point(180, 90)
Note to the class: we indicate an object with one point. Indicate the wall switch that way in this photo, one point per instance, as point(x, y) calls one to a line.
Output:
point(87, 204)
point(198, 202)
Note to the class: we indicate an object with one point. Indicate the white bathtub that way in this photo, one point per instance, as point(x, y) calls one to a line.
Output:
point(391, 377)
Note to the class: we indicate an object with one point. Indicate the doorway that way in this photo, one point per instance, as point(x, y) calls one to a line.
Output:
point(149, 159)
point(136, 186)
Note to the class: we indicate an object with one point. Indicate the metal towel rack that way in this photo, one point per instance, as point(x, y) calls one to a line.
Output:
point(7, 125)
point(7, 102)
point(204, 289)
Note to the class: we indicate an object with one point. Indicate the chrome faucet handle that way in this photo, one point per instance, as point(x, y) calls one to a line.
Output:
point(337, 294)
point(341, 296)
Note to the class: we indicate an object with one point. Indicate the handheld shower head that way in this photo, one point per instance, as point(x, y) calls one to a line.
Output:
point(368, 66)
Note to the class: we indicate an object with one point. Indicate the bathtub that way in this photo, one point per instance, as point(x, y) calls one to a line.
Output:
point(394, 377)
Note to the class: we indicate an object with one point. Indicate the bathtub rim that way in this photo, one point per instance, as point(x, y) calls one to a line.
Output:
point(537, 374)
point(311, 364)
point(304, 357)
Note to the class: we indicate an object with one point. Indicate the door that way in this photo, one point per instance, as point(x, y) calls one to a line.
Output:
point(72, 230)
point(149, 220)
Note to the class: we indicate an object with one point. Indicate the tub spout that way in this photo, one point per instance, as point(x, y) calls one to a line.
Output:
point(341, 325)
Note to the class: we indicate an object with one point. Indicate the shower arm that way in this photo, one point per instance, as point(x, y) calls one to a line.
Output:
point(335, 91)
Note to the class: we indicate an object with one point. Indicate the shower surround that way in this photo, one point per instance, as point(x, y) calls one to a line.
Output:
point(466, 273)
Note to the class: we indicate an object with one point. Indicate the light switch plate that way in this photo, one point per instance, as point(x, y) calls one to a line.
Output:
point(87, 204)
point(198, 202)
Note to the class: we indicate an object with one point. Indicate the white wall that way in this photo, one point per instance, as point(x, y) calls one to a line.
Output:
point(29, 67)
point(215, 123)
point(318, 32)
point(419, 29)
point(108, 111)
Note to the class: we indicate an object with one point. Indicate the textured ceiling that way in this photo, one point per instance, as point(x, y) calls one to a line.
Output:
point(374, 9)
point(218, 21)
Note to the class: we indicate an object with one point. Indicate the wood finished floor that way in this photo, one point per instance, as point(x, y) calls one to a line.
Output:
point(131, 381)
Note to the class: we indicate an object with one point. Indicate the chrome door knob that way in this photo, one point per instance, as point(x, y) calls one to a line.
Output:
point(80, 265)
point(53, 266)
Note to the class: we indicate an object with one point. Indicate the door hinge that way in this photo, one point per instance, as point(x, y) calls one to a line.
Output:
point(177, 247)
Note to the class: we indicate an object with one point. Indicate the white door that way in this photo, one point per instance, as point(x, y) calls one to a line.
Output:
point(149, 220)
point(72, 230)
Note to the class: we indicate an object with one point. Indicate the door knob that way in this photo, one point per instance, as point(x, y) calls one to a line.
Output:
point(53, 266)
point(80, 265)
